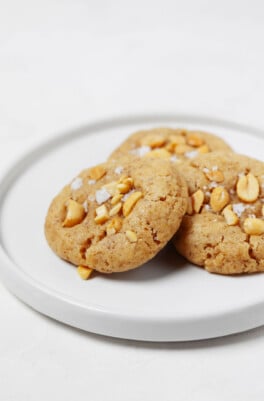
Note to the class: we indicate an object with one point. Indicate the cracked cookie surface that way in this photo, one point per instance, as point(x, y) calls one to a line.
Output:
point(177, 145)
point(116, 216)
point(223, 229)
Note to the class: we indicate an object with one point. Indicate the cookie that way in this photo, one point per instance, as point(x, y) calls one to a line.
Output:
point(177, 145)
point(223, 229)
point(116, 216)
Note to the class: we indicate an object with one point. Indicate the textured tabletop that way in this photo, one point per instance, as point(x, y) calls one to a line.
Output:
point(63, 64)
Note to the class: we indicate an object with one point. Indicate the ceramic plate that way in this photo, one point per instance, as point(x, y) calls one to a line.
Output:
point(167, 299)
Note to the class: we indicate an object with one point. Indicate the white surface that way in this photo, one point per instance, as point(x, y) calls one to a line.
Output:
point(62, 63)
point(165, 300)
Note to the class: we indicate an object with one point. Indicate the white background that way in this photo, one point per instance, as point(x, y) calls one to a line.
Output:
point(64, 63)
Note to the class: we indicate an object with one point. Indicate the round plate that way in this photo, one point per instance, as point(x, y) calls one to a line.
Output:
point(167, 299)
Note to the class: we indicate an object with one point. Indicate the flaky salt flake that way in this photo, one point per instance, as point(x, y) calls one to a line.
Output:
point(212, 184)
point(119, 170)
point(239, 208)
point(173, 158)
point(85, 206)
point(102, 195)
point(214, 168)
point(140, 151)
point(76, 183)
point(206, 170)
point(191, 154)
point(91, 182)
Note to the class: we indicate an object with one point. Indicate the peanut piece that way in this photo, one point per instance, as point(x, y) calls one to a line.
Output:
point(84, 272)
point(248, 188)
point(114, 226)
point(101, 215)
point(181, 149)
point(116, 209)
point(230, 217)
point(97, 172)
point(254, 226)
point(75, 214)
point(197, 200)
point(189, 206)
point(125, 185)
point(203, 149)
point(116, 198)
point(153, 141)
point(216, 176)
point(111, 187)
point(219, 199)
point(195, 140)
point(131, 235)
point(131, 202)
point(158, 154)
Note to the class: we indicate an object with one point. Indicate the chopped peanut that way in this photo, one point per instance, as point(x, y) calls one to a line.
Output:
point(84, 272)
point(125, 185)
point(254, 226)
point(130, 202)
point(116, 198)
point(115, 209)
point(114, 226)
point(203, 149)
point(195, 140)
point(248, 188)
point(111, 187)
point(75, 214)
point(97, 172)
point(189, 206)
point(181, 149)
point(101, 215)
point(131, 235)
point(197, 200)
point(216, 175)
point(153, 141)
point(158, 154)
point(230, 217)
point(219, 199)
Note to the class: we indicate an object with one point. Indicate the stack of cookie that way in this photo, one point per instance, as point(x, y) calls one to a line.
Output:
point(159, 185)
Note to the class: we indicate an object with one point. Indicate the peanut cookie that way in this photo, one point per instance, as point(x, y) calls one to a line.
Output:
point(116, 216)
point(223, 229)
point(166, 143)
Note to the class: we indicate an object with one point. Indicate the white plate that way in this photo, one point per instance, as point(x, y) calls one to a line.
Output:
point(165, 300)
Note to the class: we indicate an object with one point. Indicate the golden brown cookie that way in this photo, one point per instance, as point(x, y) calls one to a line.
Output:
point(175, 144)
point(223, 229)
point(116, 216)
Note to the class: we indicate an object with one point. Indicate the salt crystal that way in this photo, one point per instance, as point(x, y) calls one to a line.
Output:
point(76, 184)
point(119, 169)
point(239, 208)
point(91, 182)
point(212, 184)
point(85, 206)
point(140, 151)
point(207, 208)
point(102, 195)
point(206, 170)
point(91, 198)
point(191, 154)
point(174, 158)
point(214, 168)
